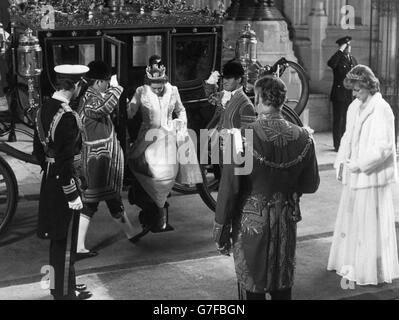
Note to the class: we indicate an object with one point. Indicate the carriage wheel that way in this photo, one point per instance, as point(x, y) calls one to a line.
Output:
point(184, 188)
point(8, 194)
point(291, 112)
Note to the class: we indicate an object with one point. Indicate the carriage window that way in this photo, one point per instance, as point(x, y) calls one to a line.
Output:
point(144, 47)
point(73, 54)
point(193, 59)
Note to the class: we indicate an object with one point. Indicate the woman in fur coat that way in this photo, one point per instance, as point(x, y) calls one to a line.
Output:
point(364, 248)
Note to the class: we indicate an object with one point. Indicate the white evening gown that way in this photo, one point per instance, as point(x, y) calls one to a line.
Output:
point(364, 247)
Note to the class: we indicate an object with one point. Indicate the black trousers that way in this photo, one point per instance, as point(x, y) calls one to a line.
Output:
point(62, 259)
point(340, 109)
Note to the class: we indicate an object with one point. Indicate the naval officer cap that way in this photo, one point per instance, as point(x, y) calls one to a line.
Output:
point(71, 71)
point(343, 40)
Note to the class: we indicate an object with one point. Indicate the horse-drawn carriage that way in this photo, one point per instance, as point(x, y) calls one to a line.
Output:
point(123, 34)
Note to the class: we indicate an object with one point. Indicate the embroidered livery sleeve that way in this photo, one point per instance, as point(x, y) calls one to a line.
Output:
point(179, 108)
point(309, 179)
point(226, 204)
point(383, 142)
point(135, 103)
point(96, 107)
point(65, 138)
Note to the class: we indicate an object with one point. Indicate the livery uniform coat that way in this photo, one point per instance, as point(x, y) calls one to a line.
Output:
point(58, 182)
point(262, 208)
point(340, 97)
point(102, 155)
point(237, 111)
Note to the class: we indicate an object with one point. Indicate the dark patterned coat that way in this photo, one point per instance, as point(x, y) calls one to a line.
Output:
point(341, 65)
point(102, 155)
point(58, 183)
point(262, 208)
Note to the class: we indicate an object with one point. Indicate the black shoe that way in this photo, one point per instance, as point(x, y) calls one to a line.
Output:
point(84, 255)
point(83, 295)
point(80, 287)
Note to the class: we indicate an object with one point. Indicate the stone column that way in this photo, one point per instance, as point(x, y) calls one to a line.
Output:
point(318, 23)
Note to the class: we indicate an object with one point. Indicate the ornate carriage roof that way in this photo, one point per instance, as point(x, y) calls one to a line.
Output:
point(66, 14)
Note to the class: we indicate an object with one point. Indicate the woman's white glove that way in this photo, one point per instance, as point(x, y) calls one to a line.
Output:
point(76, 204)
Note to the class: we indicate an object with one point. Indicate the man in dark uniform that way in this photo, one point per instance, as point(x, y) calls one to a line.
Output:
point(57, 144)
point(258, 213)
point(341, 63)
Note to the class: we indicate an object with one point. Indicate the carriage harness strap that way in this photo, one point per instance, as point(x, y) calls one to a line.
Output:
point(46, 139)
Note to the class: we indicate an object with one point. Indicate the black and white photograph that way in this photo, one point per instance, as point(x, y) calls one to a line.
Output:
point(196, 155)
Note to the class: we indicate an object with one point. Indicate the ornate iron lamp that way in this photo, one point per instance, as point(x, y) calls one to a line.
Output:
point(246, 45)
point(246, 53)
point(29, 57)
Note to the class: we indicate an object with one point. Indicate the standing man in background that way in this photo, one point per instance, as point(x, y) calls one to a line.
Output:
point(341, 62)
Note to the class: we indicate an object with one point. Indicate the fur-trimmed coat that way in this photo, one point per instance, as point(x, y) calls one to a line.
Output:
point(369, 140)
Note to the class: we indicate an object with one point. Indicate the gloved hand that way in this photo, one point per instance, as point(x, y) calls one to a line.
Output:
point(224, 249)
point(179, 124)
point(222, 237)
point(114, 81)
point(352, 165)
point(76, 204)
point(343, 47)
point(213, 78)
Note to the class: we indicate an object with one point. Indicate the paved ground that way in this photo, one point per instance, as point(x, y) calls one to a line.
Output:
point(181, 264)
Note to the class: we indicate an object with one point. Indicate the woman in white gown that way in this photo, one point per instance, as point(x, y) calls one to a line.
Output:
point(155, 162)
point(364, 248)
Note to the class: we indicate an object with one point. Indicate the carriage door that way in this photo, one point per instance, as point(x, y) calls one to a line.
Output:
point(113, 52)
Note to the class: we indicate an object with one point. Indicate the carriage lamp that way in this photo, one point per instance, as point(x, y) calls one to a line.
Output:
point(246, 53)
point(29, 57)
point(246, 45)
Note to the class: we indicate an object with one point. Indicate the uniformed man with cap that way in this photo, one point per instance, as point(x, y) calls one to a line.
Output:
point(57, 145)
point(341, 62)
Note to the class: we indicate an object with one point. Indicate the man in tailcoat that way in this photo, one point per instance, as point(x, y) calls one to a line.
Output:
point(341, 62)
point(57, 144)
